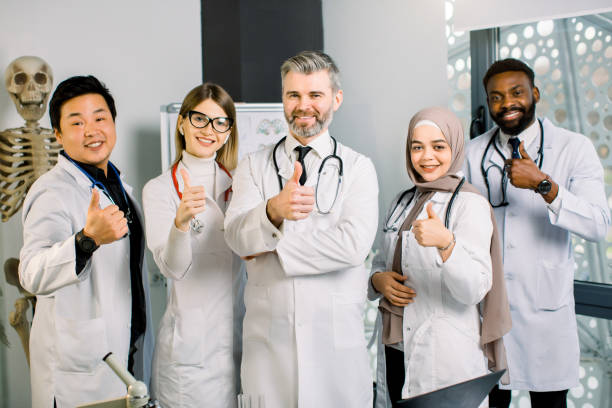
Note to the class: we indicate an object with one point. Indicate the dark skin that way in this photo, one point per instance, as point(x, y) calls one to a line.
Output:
point(509, 96)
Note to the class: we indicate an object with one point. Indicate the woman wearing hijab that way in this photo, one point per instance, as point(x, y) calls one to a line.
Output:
point(435, 269)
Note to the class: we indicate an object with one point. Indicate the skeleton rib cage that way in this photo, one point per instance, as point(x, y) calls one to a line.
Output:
point(25, 155)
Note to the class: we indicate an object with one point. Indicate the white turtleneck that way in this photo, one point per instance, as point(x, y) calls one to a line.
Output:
point(201, 171)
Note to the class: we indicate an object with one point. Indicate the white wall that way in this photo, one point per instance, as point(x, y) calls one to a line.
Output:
point(392, 58)
point(147, 52)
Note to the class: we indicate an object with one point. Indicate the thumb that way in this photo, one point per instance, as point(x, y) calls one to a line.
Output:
point(94, 204)
point(431, 214)
point(186, 180)
point(297, 173)
point(523, 152)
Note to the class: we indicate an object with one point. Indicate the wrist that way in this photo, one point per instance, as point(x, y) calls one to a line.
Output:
point(86, 242)
point(451, 242)
point(181, 226)
point(271, 213)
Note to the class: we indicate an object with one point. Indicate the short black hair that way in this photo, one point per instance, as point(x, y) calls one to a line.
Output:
point(508, 64)
point(77, 86)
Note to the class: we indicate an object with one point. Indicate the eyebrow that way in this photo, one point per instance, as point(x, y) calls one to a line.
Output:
point(433, 141)
point(73, 114)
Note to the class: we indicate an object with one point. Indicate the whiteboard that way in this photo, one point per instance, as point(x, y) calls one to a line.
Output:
point(259, 124)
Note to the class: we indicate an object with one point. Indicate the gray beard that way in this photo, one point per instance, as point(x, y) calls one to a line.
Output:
point(306, 132)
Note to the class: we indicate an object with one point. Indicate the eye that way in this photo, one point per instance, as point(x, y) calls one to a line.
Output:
point(440, 147)
point(40, 78)
point(20, 78)
point(100, 119)
point(416, 148)
point(77, 123)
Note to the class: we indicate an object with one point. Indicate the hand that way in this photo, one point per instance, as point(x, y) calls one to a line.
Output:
point(193, 202)
point(523, 172)
point(431, 231)
point(104, 225)
point(294, 202)
point(390, 284)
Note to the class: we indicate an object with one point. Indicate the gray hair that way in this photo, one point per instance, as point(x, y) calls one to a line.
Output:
point(307, 62)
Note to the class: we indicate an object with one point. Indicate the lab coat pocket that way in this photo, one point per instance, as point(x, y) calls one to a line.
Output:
point(189, 338)
point(554, 284)
point(81, 344)
point(348, 320)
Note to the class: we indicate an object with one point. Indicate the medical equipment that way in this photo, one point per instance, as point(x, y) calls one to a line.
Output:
point(393, 227)
point(504, 177)
point(137, 393)
point(331, 157)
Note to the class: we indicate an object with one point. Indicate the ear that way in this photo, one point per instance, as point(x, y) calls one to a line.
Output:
point(338, 98)
point(536, 94)
point(180, 120)
point(58, 136)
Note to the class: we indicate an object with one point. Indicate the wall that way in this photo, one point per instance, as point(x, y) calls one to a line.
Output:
point(392, 57)
point(147, 53)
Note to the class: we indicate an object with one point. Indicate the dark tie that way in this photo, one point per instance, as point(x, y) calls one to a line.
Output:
point(302, 152)
point(515, 142)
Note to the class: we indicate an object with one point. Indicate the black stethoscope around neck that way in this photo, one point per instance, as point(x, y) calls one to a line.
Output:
point(331, 157)
point(504, 177)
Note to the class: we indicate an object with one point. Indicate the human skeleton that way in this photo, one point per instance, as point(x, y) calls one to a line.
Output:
point(26, 153)
point(29, 151)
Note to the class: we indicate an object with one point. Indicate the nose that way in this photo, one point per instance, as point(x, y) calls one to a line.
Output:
point(303, 104)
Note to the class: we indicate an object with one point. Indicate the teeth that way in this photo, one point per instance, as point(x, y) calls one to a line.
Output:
point(96, 144)
point(205, 141)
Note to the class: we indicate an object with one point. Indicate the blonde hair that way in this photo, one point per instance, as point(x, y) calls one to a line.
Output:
point(227, 155)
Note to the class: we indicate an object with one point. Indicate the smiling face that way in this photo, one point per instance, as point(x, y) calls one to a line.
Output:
point(430, 153)
point(512, 101)
point(204, 142)
point(309, 103)
point(87, 130)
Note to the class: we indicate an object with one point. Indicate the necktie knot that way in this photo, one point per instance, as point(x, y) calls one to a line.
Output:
point(302, 152)
point(515, 143)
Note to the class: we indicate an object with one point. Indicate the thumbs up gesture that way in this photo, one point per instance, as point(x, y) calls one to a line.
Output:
point(104, 225)
point(524, 172)
point(294, 202)
point(431, 231)
point(193, 201)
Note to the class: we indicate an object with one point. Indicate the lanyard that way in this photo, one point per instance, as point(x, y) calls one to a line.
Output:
point(176, 185)
point(101, 186)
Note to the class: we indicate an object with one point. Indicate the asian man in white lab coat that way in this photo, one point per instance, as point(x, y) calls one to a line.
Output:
point(544, 183)
point(83, 258)
point(304, 214)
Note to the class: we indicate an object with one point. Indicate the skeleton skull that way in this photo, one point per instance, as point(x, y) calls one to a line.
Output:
point(29, 81)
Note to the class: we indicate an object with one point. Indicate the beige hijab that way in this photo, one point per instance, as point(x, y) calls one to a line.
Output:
point(494, 307)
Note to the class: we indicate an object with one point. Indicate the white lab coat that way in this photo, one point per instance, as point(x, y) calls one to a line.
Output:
point(79, 318)
point(441, 329)
point(194, 363)
point(542, 347)
point(303, 341)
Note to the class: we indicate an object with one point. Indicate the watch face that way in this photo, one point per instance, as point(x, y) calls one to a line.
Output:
point(88, 244)
point(544, 187)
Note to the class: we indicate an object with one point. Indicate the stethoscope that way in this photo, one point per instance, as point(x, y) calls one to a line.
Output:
point(504, 178)
point(393, 226)
point(95, 183)
point(195, 224)
point(332, 156)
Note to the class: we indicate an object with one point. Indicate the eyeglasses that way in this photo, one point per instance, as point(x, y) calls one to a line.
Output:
point(200, 120)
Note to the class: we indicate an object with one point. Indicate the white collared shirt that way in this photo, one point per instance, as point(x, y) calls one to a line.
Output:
point(322, 146)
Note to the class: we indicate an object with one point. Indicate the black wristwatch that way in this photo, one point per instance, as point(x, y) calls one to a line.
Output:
point(545, 186)
point(85, 244)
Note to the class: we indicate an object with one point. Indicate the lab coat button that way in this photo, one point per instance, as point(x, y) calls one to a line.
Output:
point(274, 235)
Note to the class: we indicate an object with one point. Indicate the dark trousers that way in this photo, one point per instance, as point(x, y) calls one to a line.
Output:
point(552, 399)
point(396, 373)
